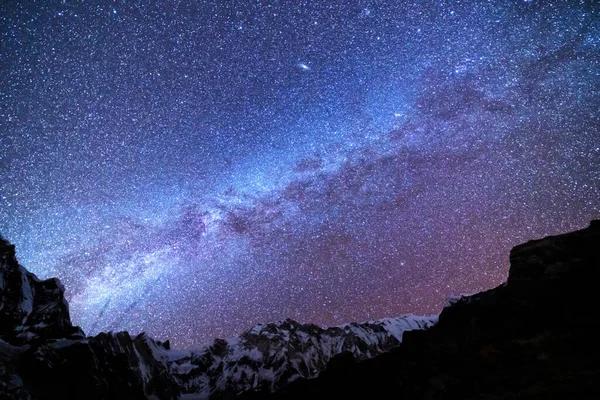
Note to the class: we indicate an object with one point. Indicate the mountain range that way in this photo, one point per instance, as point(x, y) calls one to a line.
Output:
point(535, 336)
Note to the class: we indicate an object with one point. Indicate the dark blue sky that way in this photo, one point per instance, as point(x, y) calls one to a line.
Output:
point(193, 168)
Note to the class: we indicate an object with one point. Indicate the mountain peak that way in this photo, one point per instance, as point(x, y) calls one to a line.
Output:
point(269, 356)
point(29, 307)
point(7, 250)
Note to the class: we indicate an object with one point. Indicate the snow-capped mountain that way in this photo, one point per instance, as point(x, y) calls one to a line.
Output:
point(270, 356)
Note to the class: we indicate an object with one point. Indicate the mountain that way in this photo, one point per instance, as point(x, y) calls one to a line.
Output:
point(534, 337)
point(30, 308)
point(268, 357)
point(43, 356)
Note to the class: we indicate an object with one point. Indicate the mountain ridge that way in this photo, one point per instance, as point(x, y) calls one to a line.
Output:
point(270, 356)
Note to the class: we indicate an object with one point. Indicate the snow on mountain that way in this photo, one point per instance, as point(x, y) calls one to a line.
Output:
point(269, 356)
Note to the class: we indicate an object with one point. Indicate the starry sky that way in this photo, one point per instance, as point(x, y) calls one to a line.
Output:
point(193, 168)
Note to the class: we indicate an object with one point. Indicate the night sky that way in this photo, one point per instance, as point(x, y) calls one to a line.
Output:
point(196, 168)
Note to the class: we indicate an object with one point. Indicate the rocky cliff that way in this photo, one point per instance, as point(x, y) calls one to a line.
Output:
point(30, 308)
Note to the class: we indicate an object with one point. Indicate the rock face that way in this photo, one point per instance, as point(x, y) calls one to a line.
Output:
point(30, 308)
point(268, 357)
point(107, 366)
point(43, 356)
point(534, 337)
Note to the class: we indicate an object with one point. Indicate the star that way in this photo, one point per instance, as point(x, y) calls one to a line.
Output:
point(185, 171)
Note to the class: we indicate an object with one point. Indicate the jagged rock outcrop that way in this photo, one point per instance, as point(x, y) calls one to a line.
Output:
point(30, 308)
point(534, 337)
point(107, 366)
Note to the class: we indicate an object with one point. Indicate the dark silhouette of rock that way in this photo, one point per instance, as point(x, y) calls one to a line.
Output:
point(30, 308)
point(534, 337)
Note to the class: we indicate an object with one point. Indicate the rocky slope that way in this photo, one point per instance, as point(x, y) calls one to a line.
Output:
point(535, 337)
point(43, 356)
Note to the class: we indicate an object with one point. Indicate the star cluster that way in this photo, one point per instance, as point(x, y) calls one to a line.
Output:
point(190, 169)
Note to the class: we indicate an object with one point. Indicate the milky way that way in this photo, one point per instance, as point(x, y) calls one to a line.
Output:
point(191, 169)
